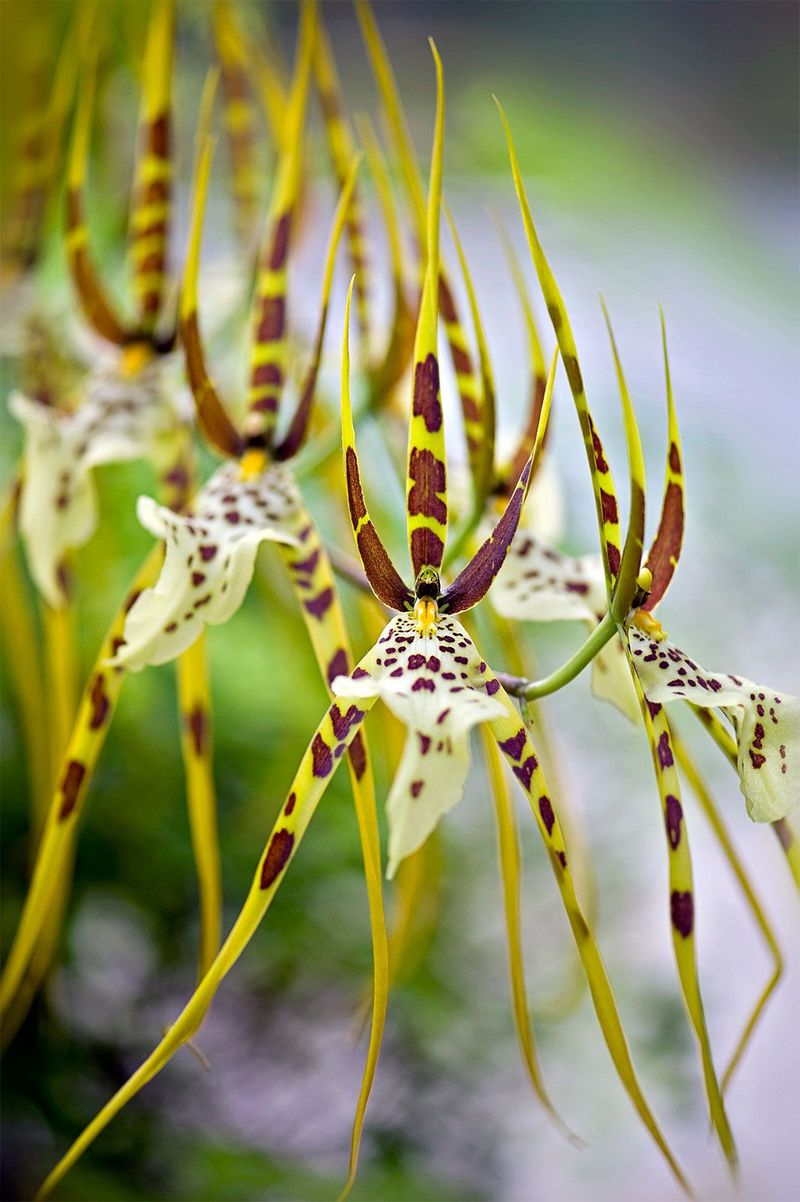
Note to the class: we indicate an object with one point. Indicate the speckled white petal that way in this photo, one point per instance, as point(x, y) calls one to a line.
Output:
point(767, 724)
point(436, 687)
point(537, 583)
point(209, 562)
point(119, 419)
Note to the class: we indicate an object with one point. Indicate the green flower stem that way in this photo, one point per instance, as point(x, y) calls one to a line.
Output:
point(529, 690)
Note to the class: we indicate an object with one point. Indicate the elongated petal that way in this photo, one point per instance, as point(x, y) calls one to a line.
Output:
point(211, 416)
point(634, 539)
point(435, 687)
point(341, 150)
point(149, 227)
point(481, 433)
point(426, 485)
point(311, 575)
point(682, 900)
point(538, 370)
point(86, 741)
point(508, 847)
point(474, 581)
point(269, 344)
point(666, 549)
point(241, 120)
point(605, 496)
point(331, 739)
point(210, 559)
point(767, 725)
point(515, 743)
point(194, 700)
point(383, 576)
point(120, 419)
point(692, 773)
point(98, 309)
point(298, 427)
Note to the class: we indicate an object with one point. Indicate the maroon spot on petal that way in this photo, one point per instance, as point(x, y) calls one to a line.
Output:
point(426, 394)
point(577, 586)
point(342, 723)
point(170, 627)
point(426, 548)
point(562, 858)
point(654, 707)
point(597, 447)
point(416, 787)
point(99, 702)
point(290, 803)
point(525, 772)
point(359, 673)
point(279, 244)
point(232, 516)
point(197, 725)
point(427, 474)
point(306, 567)
point(131, 599)
point(492, 687)
point(613, 559)
point(515, 745)
point(609, 507)
point(358, 756)
point(682, 912)
point(322, 760)
point(425, 743)
point(415, 662)
point(674, 458)
point(757, 760)
point(673, 816)
point(267, 373)
point(665, 757)
point(319, 605)
point(278, 852)
point(198, 578)
point(70, 787)
point(422, 684)
point(546, 811)
point(758, 736)
point(208, 552)
point(272, 318)
point(337, 666)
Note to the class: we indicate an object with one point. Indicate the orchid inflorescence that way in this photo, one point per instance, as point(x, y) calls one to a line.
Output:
point(424, 662)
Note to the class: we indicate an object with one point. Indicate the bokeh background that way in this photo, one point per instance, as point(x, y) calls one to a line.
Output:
point(660, 149)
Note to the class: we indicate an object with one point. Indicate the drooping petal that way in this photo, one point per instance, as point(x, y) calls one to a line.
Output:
point(210, 558)
point(538, 583)
point(121, 418)
point(269, 346)
point(383, 576)
point(293, 440)
point(605, 496)
point(767, 724)
point(682, 899)
point(98, 309)
point(426, 483)
point(435, 687)
point(86, 741)
point(692, 773)
point(323, 755)
point(212, 418)
point(149, 227)
point(341, 150)
point(474, 580)
point(515, 743)
point(662, 559)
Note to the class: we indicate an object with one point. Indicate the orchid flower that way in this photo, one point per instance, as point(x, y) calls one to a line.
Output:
point(429, 672)
point(632, 593)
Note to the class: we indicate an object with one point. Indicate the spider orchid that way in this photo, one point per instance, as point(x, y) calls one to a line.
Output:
point(767, 727)
point(124, 412)
point(429, 672)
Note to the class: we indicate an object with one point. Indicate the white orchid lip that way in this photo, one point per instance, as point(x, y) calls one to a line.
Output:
point(210, 559)
point(439, 687)
point(767, 724)
point(119, 419)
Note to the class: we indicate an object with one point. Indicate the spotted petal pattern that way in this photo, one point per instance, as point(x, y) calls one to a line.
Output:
point(538, 583)
point(437, 687)
point(211, 553)
point(121, 418)
point(767, 725)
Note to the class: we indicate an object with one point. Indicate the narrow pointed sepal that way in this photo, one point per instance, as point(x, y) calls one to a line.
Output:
point(664, 554)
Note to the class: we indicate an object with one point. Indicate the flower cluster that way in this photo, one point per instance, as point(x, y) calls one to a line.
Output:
point(426, 664)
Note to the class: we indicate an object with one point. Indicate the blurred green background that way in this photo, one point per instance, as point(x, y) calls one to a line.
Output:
point(659, 143)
